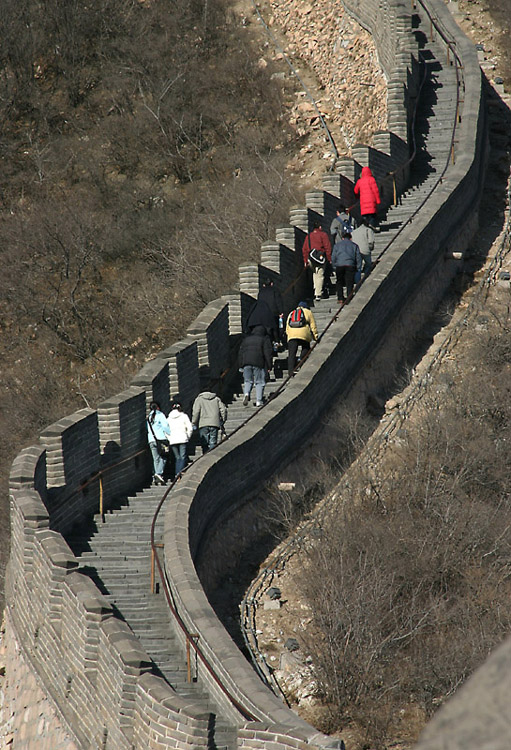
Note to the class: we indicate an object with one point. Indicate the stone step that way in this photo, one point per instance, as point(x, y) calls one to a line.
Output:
point(119, 554)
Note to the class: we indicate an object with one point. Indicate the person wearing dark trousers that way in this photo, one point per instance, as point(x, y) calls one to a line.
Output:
point(363, 236)
point(271, 296)
point(367, 190)
point(301, 330)
point(208, 414)
point(342, 220)
point(346, 260)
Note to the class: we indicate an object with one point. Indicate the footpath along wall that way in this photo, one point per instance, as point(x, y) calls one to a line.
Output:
point(68, 659)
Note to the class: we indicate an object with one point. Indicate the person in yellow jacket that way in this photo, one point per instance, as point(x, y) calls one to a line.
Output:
point(300, 331)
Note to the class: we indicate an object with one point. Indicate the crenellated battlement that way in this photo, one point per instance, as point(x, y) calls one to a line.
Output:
point(92, 673)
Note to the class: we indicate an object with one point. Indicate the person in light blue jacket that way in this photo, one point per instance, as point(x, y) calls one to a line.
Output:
point(157, 429)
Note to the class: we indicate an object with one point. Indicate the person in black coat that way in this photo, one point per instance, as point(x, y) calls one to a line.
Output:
point(255, 357)
point(267, 310)
point(273, 298)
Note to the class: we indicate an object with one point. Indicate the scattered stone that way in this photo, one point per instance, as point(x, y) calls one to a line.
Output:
point(289, 662)
point(342, 56)
point(274, 592)
point(273, 604)
point(286, 486)
point(292, 644)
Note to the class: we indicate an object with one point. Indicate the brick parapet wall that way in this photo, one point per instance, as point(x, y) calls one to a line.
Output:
point(87, 660)
point(203, 499)
point(90, 662)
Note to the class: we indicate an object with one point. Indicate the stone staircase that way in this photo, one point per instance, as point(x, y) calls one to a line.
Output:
point(115, 552)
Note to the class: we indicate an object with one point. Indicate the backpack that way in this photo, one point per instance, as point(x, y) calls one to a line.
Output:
point(297, 318)
point(346, 226)
point(317, 257)
point(343, 225)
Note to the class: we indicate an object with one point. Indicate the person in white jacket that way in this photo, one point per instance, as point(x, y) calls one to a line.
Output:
point(180, 433)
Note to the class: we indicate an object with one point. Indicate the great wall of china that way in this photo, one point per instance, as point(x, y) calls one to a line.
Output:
point(94, 659)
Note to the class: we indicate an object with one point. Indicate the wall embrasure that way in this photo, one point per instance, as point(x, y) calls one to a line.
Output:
point(86, 661)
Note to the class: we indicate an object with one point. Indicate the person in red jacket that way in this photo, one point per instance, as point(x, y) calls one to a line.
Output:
point(317, 253)
point(367, 189)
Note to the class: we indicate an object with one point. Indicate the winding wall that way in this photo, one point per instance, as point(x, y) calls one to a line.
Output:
point(87, 664)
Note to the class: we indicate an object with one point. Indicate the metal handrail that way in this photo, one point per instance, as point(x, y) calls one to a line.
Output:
point(287, 551)
point(98, 476)
point(290, 546)
point(191, 638)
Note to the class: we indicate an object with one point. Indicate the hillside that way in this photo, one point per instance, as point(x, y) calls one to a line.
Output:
point(98, 270)
point(142, 158)
point(402, 589)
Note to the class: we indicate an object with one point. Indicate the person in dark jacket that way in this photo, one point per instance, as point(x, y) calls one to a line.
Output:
point(347, 260)
point(272, 297)
point(261, 315)
point(255, 357)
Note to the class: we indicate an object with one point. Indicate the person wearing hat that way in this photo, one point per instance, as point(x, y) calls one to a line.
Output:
point(180, 433)
point(300, 330)
point(317, 254)
point(346, 260)
point(367, 190)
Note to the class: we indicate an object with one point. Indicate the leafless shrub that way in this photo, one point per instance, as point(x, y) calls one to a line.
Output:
point(139, 170)
point(409, 584)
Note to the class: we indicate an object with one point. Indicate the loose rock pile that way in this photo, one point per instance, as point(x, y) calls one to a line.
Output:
point(343, 57)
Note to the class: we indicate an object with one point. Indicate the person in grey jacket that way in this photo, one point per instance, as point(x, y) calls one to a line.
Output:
point(208, 414)
point(341, 221)
point(346, 260)
point(363, 236)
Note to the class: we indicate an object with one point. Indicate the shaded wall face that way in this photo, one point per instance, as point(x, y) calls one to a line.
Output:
point(89, 661)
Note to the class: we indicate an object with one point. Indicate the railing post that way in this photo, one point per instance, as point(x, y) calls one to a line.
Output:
point(101, 510)
point(152, 570)
point(153, 566)
point(189, 637)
